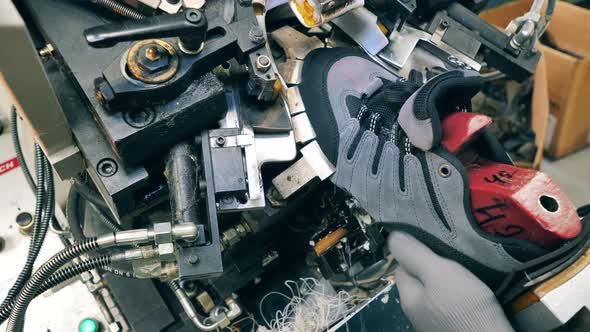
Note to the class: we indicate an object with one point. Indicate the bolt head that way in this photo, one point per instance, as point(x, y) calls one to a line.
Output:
point(220, 141)
point(153, 63)
point(106, 167)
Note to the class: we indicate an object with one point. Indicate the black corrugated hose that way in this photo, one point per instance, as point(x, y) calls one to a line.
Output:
point(44, 206)
point(73, 271)
point(74, 223)
point(61, 276)
point(32, 287)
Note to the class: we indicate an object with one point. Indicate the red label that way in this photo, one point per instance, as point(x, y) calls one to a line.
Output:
point(9, 165)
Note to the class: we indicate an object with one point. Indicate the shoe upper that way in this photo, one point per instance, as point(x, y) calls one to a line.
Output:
point(353, 105)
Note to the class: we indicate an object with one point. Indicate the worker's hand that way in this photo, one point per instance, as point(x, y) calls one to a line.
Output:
point(438, 294)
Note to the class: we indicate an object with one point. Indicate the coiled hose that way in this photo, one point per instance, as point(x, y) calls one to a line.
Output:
point(62, 276)
point(42, 214)
point(119, 8)
point(16, 318)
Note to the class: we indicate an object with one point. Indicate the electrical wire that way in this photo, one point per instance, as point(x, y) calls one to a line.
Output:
point(44, 209)
point(19, 152)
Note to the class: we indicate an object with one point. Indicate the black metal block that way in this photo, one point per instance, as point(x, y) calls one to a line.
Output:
point(139, 134)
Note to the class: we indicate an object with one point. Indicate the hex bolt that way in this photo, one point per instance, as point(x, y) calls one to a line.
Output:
point(220, 141)
point(152, 53)
point(106, 167)
point(263, 63)
point(444, 24)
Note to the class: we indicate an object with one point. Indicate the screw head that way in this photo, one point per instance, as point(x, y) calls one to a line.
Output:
point(139, 118)
point(220, 141)
point(444, 24)
point(106, 167)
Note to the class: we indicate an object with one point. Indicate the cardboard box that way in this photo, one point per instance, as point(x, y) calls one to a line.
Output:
point(568, 72)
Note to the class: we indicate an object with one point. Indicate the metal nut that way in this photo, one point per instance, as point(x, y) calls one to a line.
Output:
point(163, 232)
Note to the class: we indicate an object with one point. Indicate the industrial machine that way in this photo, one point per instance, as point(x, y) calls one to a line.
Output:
point(194, 165)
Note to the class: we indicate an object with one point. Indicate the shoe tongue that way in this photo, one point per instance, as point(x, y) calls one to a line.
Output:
point(388, 100)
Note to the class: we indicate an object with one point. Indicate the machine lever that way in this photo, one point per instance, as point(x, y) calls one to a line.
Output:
point(189, 26)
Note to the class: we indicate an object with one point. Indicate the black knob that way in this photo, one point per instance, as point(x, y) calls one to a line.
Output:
point(189, 26)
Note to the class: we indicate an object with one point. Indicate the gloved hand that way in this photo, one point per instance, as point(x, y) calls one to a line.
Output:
point(438, 294)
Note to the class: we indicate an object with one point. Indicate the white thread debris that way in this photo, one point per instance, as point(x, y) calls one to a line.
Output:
point(313, 306)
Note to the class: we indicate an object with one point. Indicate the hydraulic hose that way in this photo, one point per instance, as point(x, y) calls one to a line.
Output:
point(74, 223)
point(62, 276)
point(73, 271)
point(16, 318)
point(40, 226)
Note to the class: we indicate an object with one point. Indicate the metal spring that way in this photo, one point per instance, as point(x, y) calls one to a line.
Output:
point(119, 8)
point(16, 319)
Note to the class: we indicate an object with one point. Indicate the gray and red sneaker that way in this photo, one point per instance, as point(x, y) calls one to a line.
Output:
point(383, 135)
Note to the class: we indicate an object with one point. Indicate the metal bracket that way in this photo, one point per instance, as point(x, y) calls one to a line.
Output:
point(402, 43)
point(313, 164)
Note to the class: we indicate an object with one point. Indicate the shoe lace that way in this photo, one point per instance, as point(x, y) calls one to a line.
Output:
point(378, 112)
